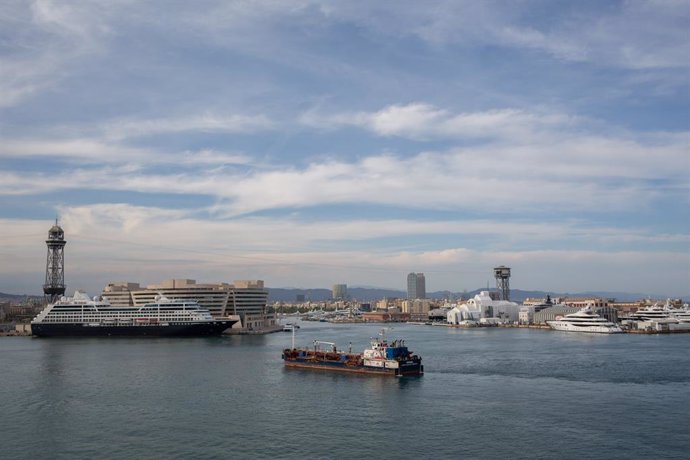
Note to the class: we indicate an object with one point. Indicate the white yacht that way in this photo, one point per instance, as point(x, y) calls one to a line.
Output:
point(659, 313)
point(682, 315)
point(584, 320)
point(290, 327)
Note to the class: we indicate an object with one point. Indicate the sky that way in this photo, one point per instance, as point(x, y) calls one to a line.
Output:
point(308, 143)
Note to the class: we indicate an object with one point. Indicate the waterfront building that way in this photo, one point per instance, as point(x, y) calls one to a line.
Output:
point(599, 305)
point(582, 302)
point(526, 314)
point(339, 291)
point(416, 306)
point(388, 303)
point(532, 306)
point(418, 309)
point(550, 313)
point(438, 314)
point(416, 286)
point(482, 307)
point(536, 302)
point(392, 315)
point(456, 314)
point(245, 298)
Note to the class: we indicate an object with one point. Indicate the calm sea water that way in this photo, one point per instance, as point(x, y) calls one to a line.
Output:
point(487, 393)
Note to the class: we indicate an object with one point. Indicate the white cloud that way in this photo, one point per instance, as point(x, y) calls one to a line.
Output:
point(565, 48)
point(50, 40)
point(213, 157)
point(94, 151)
point(20, 78)
point(551, 170)
point(424, 121)
point(555, 169)
point(80, 22)
point(86, 150)
point(635, 35)
point(44, 39)
point(243, 69)
point(205, 123)
point(640, 35)
point(150, 226)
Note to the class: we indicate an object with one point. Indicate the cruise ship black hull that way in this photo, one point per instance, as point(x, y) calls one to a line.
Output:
point(172, 330)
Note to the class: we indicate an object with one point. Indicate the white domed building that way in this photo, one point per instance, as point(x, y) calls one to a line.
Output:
point(482, 308)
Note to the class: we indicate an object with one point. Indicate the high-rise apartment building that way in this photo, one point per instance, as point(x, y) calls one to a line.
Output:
point(339, 291)
point(416, 286)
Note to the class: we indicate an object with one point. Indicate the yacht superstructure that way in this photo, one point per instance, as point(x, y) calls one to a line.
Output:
point(660, 313)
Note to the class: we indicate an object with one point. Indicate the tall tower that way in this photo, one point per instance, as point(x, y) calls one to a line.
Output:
point(339, 291)
point(54, 286)
point(421, 286)
point(502, 275)
point(412, 286)
point(416, 286)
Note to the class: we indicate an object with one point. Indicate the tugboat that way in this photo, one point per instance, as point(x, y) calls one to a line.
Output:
point(382, 358)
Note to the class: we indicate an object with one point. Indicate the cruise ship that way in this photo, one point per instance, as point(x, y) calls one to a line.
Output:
point(585, 320)
point(82, 316)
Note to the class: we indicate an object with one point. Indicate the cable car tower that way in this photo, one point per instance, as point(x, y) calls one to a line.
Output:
point(502, 275)
point(54, 286)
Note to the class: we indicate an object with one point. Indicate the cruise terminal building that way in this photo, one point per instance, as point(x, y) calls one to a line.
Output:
point(244, 298)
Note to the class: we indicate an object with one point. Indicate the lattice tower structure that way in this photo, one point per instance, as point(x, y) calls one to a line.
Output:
point(54, 286)
point(502, 275)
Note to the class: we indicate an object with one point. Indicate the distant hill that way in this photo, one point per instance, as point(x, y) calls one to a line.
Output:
point(620, 296)
point(319, 295)
point(368, 294)
point(15, 297)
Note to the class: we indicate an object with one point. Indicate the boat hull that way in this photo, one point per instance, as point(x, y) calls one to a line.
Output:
point(172, 330)
point(403, 369)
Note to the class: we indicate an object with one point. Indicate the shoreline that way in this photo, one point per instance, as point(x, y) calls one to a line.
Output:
point(273, 330)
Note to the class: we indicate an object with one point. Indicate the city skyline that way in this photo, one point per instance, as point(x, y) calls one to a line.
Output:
point(310, 143)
